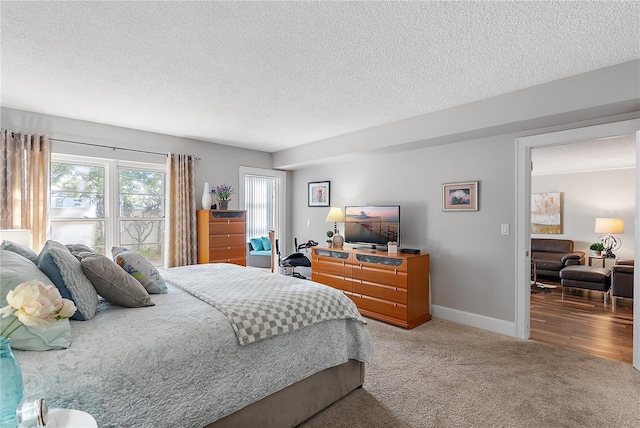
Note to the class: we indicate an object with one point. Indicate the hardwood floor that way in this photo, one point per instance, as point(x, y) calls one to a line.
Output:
point(581, 321)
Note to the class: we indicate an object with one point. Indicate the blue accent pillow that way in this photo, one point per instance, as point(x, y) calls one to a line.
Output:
point(256, 243)
point(20, 249)
point(65, 271)
point(17, 269)
point(266, 244)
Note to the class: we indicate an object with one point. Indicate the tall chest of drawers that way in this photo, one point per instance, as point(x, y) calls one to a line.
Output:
point(222, 236)
point(389, 287)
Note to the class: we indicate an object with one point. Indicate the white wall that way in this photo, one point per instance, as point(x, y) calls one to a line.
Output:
point(588, 195)
point(219, 164)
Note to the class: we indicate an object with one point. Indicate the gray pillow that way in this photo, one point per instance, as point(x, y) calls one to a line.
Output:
point(65, 271)
point(16, 270)
point(20, 249)
point(141, 269)
point(113, 283)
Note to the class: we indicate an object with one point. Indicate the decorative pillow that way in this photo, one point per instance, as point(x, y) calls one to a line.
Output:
point(79, 248)
point(141, 269)
point(17, 269)
point(256, 243)
point(20, 249)
point(113, 283)
point(266, 244)
point(65, 272)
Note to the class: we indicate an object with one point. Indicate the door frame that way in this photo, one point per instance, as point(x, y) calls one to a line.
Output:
point(281, 198)
point(523, 215)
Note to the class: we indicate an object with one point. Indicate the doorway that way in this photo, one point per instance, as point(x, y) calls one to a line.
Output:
point(523, 215)
point(263, 192)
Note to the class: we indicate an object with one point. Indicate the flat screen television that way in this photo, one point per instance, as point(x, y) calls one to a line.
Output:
point(372, 225)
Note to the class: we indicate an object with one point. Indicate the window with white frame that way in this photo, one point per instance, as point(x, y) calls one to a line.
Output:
point(105, 203)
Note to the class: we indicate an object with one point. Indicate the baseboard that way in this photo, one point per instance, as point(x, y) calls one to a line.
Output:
point(474, 320)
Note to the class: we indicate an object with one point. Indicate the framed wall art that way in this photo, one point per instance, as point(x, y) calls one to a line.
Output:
point(319, 194)
point(546, 213)
point(461, 196)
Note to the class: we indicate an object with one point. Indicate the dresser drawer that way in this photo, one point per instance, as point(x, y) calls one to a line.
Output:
point(227, 253)
point(385, 292)
point(232, 228)
point(332, 266)
point(376, 275)
point(224, 241)
point(380, 306)
point(339, 282)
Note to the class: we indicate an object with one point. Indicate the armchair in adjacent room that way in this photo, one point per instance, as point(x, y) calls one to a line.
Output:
point(622, 280)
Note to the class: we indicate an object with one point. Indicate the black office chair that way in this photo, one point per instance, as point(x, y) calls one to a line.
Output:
point(295, 260)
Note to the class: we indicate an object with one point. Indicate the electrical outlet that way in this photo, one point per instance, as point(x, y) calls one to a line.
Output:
point(504, 229)
point(308, 223)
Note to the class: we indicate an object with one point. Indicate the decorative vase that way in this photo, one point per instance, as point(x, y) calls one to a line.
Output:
point(223, 204)
point(10, 385)
point(206, 197)
point(338, 240)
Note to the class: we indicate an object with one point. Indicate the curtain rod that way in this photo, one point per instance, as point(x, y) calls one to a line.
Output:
point(115, 148)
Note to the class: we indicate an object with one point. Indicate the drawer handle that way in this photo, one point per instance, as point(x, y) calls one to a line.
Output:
point(360, 266)
point(395, 271)
point(395, 305)
point(343, 264)
point(395, 288)
point(228, 221)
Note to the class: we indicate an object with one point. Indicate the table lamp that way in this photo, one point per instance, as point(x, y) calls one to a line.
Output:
point(609, 226)
point(335, 216)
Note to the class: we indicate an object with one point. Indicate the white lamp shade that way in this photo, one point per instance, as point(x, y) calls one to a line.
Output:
point(18, 236)
point(609, 225)
point(335, 215)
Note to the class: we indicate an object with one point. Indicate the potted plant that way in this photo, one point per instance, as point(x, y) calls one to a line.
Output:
point(329, 235)
point(222, 194)
point(597, 248)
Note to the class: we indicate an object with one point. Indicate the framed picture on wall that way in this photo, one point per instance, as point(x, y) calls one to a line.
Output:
point(319, 194)
point(460, 196)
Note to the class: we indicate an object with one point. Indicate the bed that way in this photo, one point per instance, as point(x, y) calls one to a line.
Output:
point(182, 363)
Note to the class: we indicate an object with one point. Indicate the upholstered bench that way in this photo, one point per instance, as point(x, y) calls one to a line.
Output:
point(587, 277)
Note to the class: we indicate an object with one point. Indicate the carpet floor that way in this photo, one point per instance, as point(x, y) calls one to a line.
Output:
point(443, 374)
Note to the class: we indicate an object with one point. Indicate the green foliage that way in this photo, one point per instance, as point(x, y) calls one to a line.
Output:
point(329, 233)
point(596, 246)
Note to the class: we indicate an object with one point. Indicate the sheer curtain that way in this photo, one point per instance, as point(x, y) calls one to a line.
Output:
point(181, 246)
point(24, 184)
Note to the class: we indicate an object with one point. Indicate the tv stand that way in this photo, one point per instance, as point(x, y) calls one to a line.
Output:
point(388, 287)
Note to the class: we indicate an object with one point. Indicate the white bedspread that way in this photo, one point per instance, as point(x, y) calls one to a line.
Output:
point(179, 363)
point(259, 304)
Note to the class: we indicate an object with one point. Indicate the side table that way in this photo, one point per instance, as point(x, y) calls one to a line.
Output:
point(69, 418)
point(592, 257)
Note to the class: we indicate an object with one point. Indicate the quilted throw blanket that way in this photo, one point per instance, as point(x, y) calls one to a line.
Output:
point(260, 304)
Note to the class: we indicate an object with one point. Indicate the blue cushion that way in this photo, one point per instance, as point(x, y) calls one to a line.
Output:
point(17, 269)
point(65, 272)
point(260, 253)
point(20, 249)
point(256, 243)
point(266, 244)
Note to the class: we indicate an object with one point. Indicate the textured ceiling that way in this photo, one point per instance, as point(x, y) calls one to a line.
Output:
point(592, 155)
point(272, 75)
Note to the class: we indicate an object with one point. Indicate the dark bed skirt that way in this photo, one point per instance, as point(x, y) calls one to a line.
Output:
point(298, 402)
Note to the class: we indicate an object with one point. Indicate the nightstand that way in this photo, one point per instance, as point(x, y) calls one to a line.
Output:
point(591, 257)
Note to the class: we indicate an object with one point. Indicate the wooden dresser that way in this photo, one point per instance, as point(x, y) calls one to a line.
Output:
point(388, 287)
point(222, 237)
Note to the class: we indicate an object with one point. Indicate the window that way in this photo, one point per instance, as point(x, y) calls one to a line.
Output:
point(260, 205)
point(105, 203)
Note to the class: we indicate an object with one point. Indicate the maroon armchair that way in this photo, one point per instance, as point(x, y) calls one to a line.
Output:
point(622, 280)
